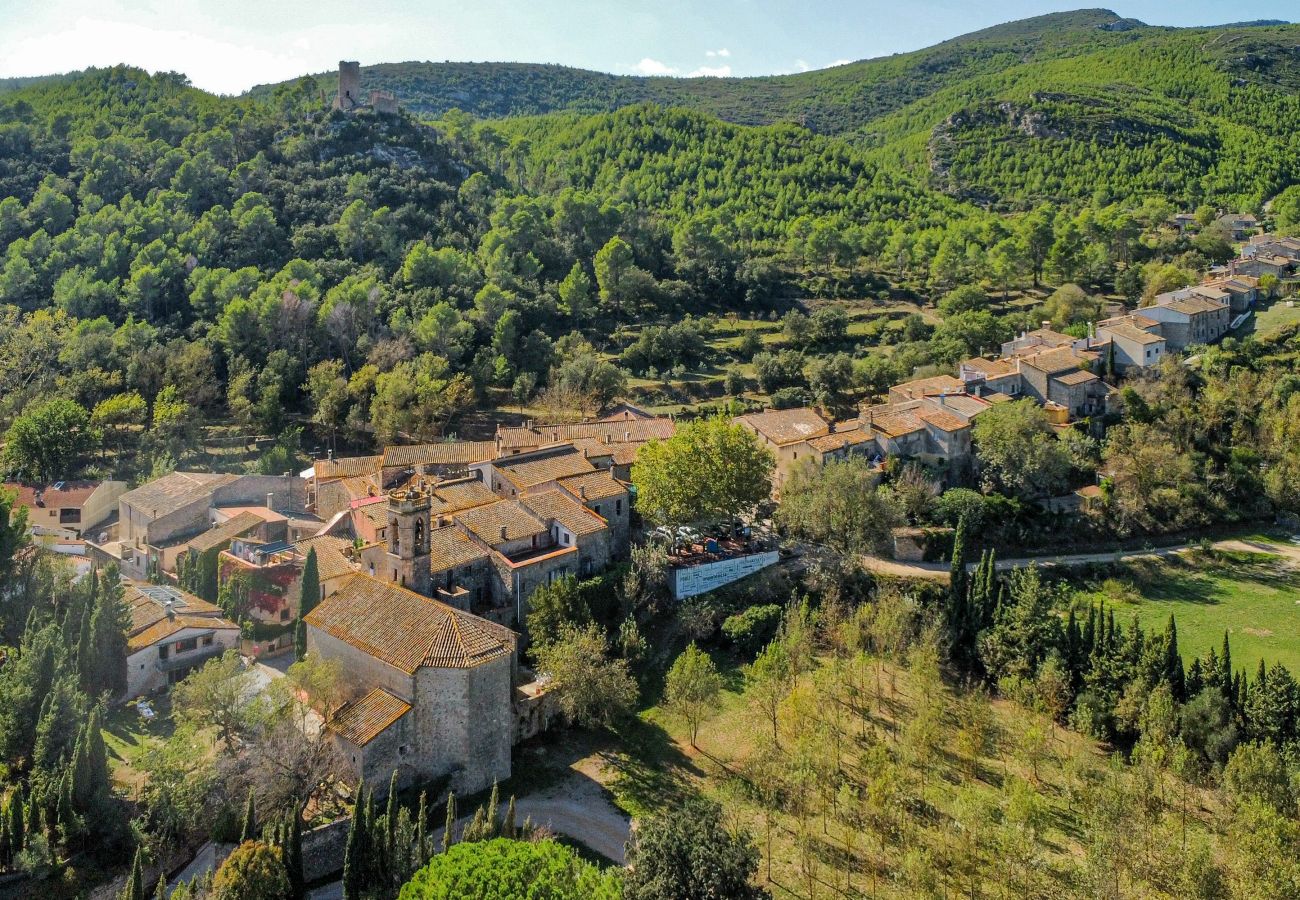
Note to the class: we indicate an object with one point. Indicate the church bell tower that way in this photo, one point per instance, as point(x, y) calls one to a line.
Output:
point(408, 539)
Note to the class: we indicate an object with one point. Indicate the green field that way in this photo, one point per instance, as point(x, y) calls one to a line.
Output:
point(1254, 597)
point(1275, 318)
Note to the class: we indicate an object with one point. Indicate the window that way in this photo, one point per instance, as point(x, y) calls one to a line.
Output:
point(566, 540)
point(163, 652)
point(284, 615)
point(69, 516)
point(598, 512)
point(187, 645)
point(207, 640)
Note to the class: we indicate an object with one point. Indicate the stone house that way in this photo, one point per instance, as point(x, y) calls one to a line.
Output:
point(1188, 318)
point(431, 686)
point(67, 508)
point(448, 459)
point(1036, 341)
point(172, 632)
point(1135, 342)
point(1239, 226)
point(785, 432)
point(1260, 265)
point(1242, 291)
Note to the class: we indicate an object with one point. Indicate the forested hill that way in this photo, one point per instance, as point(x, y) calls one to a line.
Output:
point(843, 98)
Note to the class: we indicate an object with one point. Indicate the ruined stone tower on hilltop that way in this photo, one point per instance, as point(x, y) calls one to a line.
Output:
point(349, 95)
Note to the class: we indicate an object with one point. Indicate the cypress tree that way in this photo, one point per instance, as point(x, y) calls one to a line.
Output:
point(508, 826)
point(300, 640)
point(1226, 664)
point(1173, 668)
point(134, 889)
point(494, 801)
point(1195, 681)
point(293, 853)
point(160, 890)
point(1090, 630)
point(422, 831)
point(449, 830)
point(87, 664)
point(248, 831)
point(310, 584)
point(354, 853)
point(958, 586)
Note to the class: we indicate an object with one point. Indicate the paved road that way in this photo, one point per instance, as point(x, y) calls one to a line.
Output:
point(940, 571)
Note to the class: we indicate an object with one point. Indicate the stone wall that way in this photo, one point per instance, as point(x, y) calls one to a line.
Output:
point(465, 724)
point(323, 849)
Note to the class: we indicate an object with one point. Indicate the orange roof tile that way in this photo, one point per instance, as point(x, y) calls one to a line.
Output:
point(346, 467)
point(505, 520)
point(447, 453)
point(786, 426)
point(593, 485)
point(406, 630)
point(369, 716)
point(554, 505)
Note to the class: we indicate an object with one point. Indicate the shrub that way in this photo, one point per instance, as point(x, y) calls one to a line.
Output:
point(753, 629)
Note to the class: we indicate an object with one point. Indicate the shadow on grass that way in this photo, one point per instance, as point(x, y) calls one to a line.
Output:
point(651, 772)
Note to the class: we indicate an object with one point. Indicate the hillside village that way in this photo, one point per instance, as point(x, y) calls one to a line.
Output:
point(898, 496)
point(427, 555)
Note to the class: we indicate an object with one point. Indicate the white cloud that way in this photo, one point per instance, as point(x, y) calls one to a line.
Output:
point(838, 62)
point(650, 66)
point(801, 65)
point(723, 52)
point(711, 72)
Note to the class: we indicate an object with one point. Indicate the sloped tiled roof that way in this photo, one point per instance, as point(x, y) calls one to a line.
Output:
point(1193, 305)
point(330, 559)
point(1129, 332)
point(1062, 360)
point(369, 716)
point(148, 604)
point(572, 515)
point(894, 423)
point(166, 627)
point(593, 485)
point(447, 453)
point(225, 532)
point(923, 387)
point(406, 630)
point(990, 367)
point(450, 547)
point(786, 426)
point(73, 494)
point(175, 491)
point(944, 421)
point(1072, 378)
point(453, 496)
point(487, 522)
point(543, 466)
point(838, 440)
point(346, 467)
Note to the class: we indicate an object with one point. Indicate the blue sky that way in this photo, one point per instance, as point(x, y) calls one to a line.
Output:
point(229, 45)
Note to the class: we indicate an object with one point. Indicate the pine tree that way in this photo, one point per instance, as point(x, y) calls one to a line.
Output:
point(508, 826)
point(248, 831)
point(310, 584)
point(449, 831)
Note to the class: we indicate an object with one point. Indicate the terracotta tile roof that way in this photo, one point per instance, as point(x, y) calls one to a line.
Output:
point(1048, 336)
point(944, 421)
point(989, 367)
point(369, 716)
point(148, 604)
point(544, 466)
point(73, 494)
point(1072, 378)
point(226, 532)
point(517, 437)
point(167, 627)
point(175, 491)
point(593, 485)
point(487, 522)
point(453, 496)
point(966, 406)
point(450, 548)
point(922, 387)
point(1211, 291)
point(1060, 360)
point(838, 440)
point(406, 630)
point(447, 453)
point(1131, 333)
point(330, 559)
point(346, 467)
point(1193, 305)
point(894, 423)
point(786, 426)
point(619, 431)
point(557, 506)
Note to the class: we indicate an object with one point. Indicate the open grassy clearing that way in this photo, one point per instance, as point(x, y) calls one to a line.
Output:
point(1253, 596)
point(128, 737)
point(1274, 318)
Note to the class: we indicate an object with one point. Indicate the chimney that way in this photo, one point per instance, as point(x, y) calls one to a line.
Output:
point(503, 532)
point(1047, 325)
point(627, 437)
point(609, 438)
point(270, 502)
point(582, 491)
point(170, 608)
point(329, 454)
